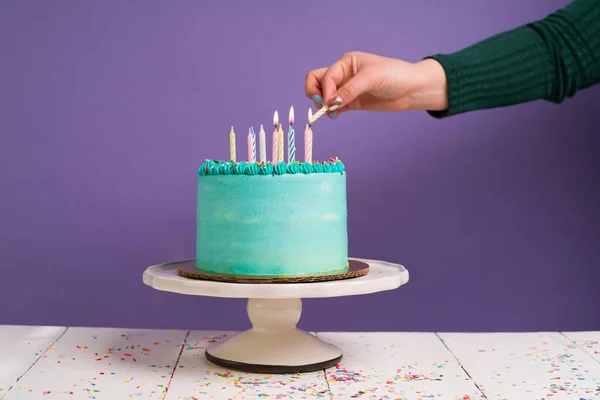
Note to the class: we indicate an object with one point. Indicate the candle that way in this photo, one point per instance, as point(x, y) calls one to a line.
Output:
point(275, 138)
point(263, 145)
point(251, 145)
point(291, 138)
point(308, 138)
point(306, 145)
point(280, 145)
point(322, 111)
point(232, 145)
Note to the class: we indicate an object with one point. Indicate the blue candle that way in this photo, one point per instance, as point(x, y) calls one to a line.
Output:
point(291, 138)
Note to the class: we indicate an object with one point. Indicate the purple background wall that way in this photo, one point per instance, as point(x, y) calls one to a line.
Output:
point(107, 108)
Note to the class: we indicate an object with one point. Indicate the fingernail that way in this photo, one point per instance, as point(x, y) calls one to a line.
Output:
point(332, 115)
point(334, 103)
point(318, 99)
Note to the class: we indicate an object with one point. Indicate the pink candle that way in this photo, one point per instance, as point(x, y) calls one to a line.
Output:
point(275, 138)
point(308, 145)
point(250, 160)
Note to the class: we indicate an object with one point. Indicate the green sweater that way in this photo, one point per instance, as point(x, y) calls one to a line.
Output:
point(550, 59)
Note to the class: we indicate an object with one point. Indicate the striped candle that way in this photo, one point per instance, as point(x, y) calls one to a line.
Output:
point(263, 145)
point(253, 139)
point(251, 147)
point(291, 138)
point(280, 156)
point(291, 145)
point(319, 113)
point(232, 145)
point(275, 138)
point(308, 140)
point(308, 144)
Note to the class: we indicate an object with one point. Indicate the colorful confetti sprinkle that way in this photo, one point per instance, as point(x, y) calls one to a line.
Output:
point(133, 364)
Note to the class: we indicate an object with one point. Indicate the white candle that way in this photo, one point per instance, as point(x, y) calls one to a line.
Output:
point(263, 145)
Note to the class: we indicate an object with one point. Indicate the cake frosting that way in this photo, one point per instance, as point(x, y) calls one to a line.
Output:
point(216, 167)
point(259, 219)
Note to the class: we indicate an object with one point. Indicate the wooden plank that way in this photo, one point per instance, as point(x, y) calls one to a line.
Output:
point(396, 366)
point(103, 363)
point(526, 365)
point(587, 341)
point(20, 348)
point(197, 379)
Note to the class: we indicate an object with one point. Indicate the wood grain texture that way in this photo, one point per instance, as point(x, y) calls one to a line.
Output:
point(20, 348)
point(397, 366)
point(526, 365)
point(104, 364)
point(586, 341)
point(197, 379)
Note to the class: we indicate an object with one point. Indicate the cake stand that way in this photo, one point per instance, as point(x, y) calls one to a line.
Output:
point(274, 344)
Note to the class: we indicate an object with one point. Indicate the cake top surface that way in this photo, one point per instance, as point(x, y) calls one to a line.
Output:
point(219, 167)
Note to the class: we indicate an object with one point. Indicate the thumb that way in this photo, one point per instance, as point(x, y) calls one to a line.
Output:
point(357, 85)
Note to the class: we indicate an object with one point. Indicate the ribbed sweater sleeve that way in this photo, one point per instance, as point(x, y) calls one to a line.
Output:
point(549, 59)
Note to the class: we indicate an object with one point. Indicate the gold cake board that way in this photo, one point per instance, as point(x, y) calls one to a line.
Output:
point(355, 269)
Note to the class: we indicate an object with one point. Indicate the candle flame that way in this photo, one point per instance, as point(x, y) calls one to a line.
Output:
point(309, 116)
point(291, 117)
point(276, 118)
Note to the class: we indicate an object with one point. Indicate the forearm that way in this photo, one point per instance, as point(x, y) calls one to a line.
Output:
point(550, 59)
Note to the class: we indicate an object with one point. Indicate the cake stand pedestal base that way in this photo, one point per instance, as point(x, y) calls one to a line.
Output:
point(274, 344)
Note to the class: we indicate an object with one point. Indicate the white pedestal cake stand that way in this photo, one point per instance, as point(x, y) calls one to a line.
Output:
point(274, 344)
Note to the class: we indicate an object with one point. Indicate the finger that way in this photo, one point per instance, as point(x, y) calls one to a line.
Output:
point(351, 90)
point(312, 84)
point(369, 103)
point(318, 100)
point(336, 114)
point(337, 73)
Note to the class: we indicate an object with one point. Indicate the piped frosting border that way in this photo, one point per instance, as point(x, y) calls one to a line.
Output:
point(219, 167)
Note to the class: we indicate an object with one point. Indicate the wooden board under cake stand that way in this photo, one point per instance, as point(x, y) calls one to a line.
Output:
point(274, 344)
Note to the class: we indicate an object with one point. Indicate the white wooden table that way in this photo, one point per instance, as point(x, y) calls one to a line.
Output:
point(115, 364)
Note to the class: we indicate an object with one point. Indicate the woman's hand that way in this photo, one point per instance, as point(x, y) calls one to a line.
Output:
point(362, 81)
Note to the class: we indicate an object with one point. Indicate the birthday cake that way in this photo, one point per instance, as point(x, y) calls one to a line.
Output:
point(264, 220)
point(272, 219)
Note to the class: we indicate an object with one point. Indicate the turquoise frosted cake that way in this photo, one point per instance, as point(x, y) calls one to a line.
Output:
point(264, 220)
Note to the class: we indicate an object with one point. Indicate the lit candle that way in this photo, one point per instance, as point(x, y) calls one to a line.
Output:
point(280, 145)
point(308, 138)
point(251, 145)
point(291, 138)
point(232, 144)
point(262, 144)
point(275, 138)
